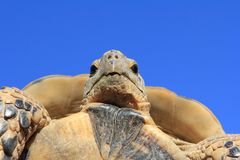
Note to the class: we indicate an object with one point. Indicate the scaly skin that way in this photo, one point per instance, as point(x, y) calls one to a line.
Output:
point(224, 147)
point(21, 116)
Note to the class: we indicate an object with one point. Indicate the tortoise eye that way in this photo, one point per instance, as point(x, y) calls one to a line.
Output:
point(93, 70)
point(134, 68)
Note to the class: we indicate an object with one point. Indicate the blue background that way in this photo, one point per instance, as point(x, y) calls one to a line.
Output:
point(190, 47)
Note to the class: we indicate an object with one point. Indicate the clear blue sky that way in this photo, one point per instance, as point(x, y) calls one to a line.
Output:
point(190, 47)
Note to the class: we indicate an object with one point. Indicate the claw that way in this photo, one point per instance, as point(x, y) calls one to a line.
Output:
point(234, 152)
point(228, 144)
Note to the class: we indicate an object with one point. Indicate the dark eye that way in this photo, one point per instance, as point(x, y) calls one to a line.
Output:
point(134, 68)
point(93, 70)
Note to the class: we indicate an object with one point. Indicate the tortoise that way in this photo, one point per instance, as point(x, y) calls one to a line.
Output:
point(109, 114)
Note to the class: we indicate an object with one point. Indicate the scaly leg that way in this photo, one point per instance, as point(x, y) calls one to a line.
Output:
point(20, 117)
point(222, 147)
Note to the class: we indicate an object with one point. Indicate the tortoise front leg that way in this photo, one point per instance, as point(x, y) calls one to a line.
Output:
point(20, 117)
point(224, 147)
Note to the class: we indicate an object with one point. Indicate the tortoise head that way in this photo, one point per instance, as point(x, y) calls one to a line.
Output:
point(115, 79)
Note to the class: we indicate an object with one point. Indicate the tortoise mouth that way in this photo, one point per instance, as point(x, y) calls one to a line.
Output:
point(113, 74)
point(116, 89)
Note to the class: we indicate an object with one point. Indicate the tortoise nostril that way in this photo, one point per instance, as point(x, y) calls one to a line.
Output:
point(113, 56)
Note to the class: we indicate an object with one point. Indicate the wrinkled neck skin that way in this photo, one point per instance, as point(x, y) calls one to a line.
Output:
point(118, 91)
point(115, 83)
